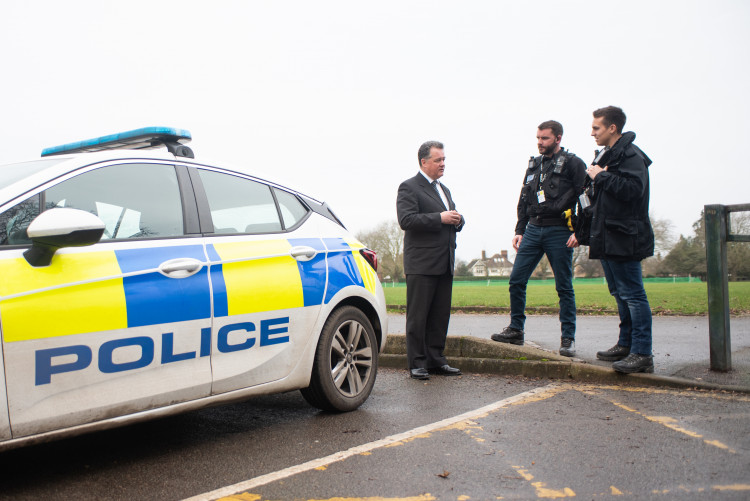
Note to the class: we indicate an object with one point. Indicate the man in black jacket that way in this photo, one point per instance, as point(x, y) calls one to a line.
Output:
point(621, 235)
point(552, 183)
point(428, 216)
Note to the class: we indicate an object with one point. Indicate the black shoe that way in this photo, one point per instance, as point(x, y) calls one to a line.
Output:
point(567, 347)
point(445, 370)
point(419, 373)
point(613, 354)
point(509, 335)
point(635, 363)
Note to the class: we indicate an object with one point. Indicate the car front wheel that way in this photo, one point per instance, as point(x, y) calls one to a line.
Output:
point(346, 362)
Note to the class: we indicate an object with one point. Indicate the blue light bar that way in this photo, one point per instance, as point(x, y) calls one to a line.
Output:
point(144, 138)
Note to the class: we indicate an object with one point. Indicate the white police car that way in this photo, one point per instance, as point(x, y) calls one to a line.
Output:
point(137, 284)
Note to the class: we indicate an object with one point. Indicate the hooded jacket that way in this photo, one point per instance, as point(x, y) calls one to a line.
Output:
point(620, 226)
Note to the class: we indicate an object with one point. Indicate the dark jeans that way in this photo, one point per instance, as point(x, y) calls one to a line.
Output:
point(538, 241)
point(625, 281)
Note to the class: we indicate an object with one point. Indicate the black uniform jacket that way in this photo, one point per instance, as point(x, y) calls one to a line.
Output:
point(429, 245)
point(620, 226)
point(561, 188)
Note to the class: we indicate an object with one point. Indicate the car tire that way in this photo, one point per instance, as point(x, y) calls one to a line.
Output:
point(346, 362)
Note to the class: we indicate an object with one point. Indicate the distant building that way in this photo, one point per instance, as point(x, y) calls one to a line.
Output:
point(495, 266)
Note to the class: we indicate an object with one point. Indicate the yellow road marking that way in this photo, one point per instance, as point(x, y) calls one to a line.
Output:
point(409, 439)
point(524, 473)
point(735, 487)
point(723, 488)
point(660, 391)
point(669, 423)
point(468, 427)
point(542, 491)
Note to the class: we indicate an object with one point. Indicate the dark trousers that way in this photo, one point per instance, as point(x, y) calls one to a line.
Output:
point(538, 241)
point(625, 281)
point(428, 311)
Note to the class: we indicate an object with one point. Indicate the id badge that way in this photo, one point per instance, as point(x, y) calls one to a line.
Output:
point(540, 196)
point(584, 199)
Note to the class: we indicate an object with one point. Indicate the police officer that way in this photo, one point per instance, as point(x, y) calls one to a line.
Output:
point(551, 186)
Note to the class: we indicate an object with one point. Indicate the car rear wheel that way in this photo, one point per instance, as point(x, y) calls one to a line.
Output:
point(346, 362)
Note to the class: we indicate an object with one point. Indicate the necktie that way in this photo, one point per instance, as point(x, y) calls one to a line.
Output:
point(437, 190)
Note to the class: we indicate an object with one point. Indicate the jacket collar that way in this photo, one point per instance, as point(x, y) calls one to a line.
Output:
point(621, 148)
point(426, 184)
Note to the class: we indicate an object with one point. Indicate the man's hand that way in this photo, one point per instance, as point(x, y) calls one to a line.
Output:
point(516, 242)
point(450, 217)
point(572, 241)
point(593, 170)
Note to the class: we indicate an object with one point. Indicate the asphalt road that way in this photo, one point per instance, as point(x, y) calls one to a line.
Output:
point(470, 437)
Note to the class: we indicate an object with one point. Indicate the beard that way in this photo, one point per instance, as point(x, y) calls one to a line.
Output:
point(547, 151)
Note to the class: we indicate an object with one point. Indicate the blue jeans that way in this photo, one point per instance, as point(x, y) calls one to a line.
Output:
point(538, 241)
point(625, 281)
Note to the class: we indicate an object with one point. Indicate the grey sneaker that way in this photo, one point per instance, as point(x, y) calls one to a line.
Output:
point(613, 354)
point(509, 335)
point(567, 347)
point(635, 363)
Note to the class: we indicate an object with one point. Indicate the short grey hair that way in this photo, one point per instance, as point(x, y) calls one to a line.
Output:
point(424, 150)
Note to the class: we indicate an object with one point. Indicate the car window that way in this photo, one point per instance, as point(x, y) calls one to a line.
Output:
point(11, 173)
point(292, 210)
point(14, 221)
point(133, 200)
point(239, 205)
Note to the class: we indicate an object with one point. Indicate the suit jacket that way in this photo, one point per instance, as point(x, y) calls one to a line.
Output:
point(429, 245)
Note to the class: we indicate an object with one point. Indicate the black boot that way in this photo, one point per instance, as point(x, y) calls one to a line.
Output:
point(567, 347)
point(635, 363)
point(509, 335)
point(613, 354)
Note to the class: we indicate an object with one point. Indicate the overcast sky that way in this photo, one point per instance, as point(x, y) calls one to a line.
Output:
point(334, 98)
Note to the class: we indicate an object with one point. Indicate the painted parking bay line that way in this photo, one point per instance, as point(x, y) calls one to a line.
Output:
point(531, 395)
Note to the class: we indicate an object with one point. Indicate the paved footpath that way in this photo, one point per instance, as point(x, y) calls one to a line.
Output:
point(680, 343)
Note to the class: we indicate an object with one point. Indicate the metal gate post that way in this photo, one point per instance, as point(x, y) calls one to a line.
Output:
point(718, 287)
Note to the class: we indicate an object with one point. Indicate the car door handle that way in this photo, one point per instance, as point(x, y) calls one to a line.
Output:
point(182, 267)
point(303, 253)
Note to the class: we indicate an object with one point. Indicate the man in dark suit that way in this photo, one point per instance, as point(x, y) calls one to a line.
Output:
point(428, 216)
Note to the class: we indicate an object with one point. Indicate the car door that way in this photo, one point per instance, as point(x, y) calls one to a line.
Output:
point(114, 328)
point(268, 276)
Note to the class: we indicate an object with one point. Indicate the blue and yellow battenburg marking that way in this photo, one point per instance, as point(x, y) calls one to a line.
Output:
point(347, 267)
point(102, 299)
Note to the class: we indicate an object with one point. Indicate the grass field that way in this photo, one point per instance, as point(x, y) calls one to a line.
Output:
point(665, 298)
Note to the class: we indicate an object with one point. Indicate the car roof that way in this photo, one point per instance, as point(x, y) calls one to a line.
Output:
point(62, 164)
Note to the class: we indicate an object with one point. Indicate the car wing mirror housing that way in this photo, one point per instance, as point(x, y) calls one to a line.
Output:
point(61, 227)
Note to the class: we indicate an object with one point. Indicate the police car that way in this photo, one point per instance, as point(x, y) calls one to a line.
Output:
point(138, 282)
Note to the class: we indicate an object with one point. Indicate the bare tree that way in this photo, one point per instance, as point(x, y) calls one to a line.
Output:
point(462, 268)
point(580, 254)
point(664, 241)
point(387, 239)
point(664, 238)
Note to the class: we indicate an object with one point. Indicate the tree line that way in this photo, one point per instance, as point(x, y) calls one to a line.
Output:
point(681, 256)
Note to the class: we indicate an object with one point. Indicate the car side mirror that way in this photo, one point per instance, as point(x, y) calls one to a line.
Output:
point(61, 227)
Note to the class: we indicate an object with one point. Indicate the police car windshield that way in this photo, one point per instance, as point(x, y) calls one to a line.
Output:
point(11, 173)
